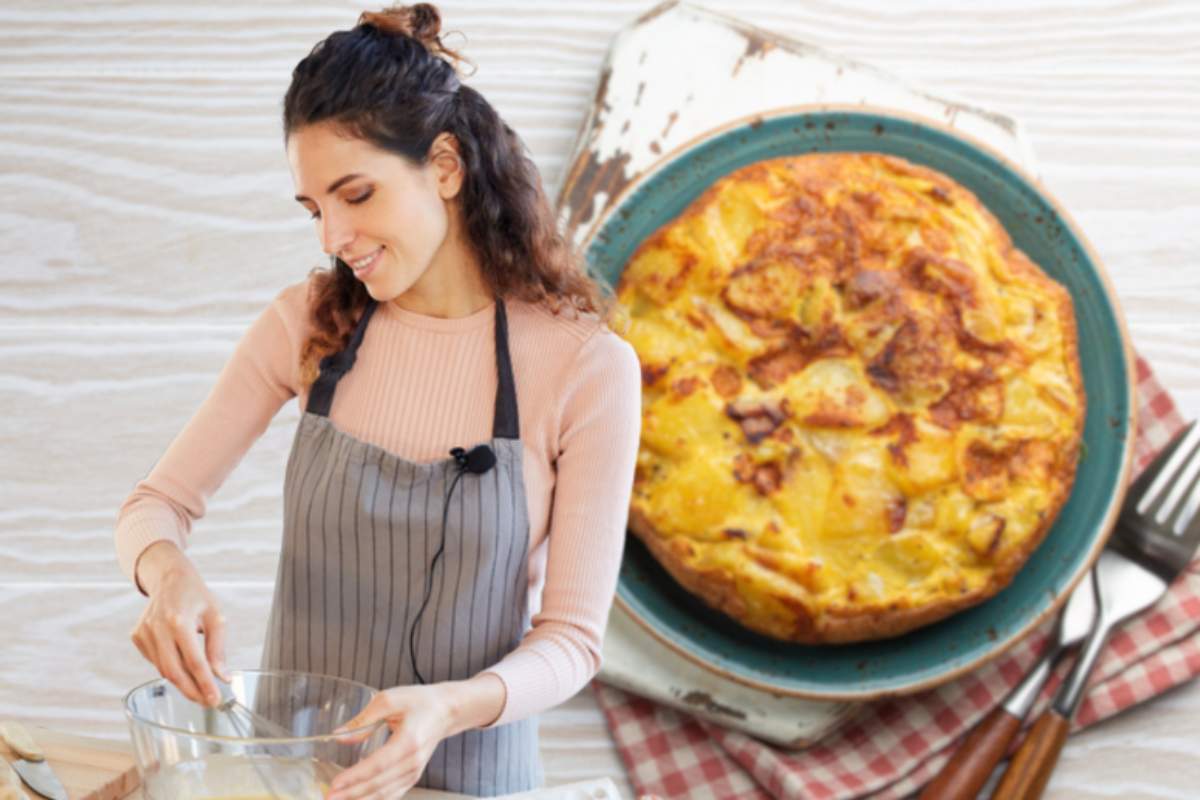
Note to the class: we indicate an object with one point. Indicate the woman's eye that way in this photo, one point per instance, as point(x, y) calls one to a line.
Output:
point(362, 198)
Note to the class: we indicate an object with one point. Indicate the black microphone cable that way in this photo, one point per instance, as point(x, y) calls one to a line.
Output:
point(478, 461)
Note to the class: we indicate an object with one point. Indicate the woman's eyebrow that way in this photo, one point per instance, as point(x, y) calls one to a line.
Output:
point(333, 187)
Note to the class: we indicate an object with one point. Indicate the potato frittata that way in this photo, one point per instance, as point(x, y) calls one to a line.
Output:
point(862, 405)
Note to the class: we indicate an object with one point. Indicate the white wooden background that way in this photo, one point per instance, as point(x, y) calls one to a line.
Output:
point(145, 219)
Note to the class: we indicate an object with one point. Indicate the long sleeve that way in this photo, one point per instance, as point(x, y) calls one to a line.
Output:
point(258, 379)
point(600, 430)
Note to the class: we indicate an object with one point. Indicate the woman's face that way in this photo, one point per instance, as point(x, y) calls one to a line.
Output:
point(386, 218)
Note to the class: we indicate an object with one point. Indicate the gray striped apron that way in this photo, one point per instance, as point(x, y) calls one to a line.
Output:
point(361, 528)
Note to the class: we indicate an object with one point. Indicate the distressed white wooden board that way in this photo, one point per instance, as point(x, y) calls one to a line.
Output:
point(683, 70)
point(653, 69)
point(1108, 92)
point(637, 662)
point(724, 84)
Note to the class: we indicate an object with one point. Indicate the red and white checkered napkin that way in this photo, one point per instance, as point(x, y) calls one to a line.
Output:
point(893, 747)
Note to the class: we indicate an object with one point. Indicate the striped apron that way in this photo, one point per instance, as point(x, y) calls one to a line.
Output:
point(361, 527)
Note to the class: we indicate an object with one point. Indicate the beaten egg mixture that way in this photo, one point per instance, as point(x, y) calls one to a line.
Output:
point(862, 405)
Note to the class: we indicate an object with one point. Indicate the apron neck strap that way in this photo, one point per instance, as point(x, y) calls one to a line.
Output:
point(505, 422)
point(334, 366)
point(505, 419)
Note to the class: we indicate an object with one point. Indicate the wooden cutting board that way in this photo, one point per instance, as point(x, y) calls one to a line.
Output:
point(90, 769)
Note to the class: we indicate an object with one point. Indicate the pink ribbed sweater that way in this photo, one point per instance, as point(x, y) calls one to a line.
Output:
point(420, 386)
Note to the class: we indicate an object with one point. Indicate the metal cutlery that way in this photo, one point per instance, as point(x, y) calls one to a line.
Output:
point(1155, 538)
point(274, 739)
point(972, 763)
point(31, 763)
point(248, 722)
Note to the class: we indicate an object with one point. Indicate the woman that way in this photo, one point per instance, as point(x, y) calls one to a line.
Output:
point(472, 587)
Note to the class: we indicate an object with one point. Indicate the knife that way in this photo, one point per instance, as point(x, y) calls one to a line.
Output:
point(31, 764)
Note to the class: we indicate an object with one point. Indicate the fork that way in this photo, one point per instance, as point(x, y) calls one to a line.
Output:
point(968, 770)
point(1155, 538)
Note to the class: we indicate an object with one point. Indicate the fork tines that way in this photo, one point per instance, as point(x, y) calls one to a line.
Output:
point(1178, 478)
point(1158, 521)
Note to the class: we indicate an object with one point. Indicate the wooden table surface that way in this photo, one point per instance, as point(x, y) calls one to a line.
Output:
point(146, 218)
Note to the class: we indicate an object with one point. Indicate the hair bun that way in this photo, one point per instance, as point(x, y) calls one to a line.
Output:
point(421, 22)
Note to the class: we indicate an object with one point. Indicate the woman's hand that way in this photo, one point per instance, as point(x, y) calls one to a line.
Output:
point(181, 608)
point(419, 717)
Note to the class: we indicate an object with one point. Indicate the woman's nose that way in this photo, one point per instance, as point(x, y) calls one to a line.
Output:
point(336, 234)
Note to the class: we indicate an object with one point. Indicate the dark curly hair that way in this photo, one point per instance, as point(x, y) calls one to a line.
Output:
point(390, 81)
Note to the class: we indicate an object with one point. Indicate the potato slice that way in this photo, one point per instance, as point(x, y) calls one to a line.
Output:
point(17, 737)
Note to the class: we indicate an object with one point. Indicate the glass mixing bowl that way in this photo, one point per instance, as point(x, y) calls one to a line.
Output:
point(186, 751)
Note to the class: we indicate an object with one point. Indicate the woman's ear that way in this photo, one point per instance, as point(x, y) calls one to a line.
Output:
point(448, 167)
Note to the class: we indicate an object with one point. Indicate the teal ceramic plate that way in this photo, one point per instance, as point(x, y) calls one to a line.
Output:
point(1039, 226)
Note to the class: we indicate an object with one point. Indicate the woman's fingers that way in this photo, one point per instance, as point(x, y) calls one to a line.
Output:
point(140, 641)
point(188, 641)
point(387, 784)
point(170, 665)
point(379, 708)
point(214, 640)
point(387, 773)
point(351, 738)
point(384, 786)
point(181, 611)
point(363, 725)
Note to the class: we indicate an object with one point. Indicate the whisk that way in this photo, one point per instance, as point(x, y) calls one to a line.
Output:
point(249, 724)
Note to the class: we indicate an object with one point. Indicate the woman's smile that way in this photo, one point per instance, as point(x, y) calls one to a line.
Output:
point(366, 265)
